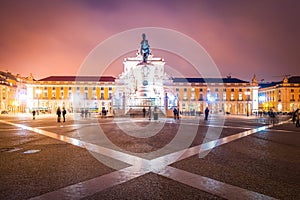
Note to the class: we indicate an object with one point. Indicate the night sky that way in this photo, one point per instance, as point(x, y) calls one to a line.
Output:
point(51, 37)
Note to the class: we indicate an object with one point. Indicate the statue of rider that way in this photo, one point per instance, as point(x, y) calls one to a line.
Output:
point(145, 48)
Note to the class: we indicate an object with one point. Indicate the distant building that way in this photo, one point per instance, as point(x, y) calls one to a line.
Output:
point(282, 96)
point(225, 95)
point(72, 92)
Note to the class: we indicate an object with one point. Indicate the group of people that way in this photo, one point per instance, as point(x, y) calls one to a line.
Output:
point(296, 117)
point(59, 113)
point(176, 113)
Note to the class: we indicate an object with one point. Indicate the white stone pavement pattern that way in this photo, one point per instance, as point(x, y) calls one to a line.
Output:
point(140, 166)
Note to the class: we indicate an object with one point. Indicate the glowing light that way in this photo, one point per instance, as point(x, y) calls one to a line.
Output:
point(262, 98)
point(279, 107)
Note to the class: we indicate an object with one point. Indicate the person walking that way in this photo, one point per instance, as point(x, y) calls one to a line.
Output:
point(58, 112)
point(176, 115)
point(206, 113)
point(33, 114)
point(64, 112)
point(149, 112)
point(144, 112)
point(298, 118)
point(294, 116)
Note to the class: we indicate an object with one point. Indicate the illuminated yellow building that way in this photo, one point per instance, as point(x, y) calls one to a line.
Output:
point(193, 95)
point(71, 92)
point(221, 95)
point(283, 96)
point(190, 95)
point(8, 91)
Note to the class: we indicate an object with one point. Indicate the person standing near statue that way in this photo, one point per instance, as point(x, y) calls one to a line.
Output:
point(64, 112)
point(58, 113)
point(206, 113)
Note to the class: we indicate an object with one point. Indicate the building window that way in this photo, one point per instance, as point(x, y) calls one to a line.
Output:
point(102, 96)
point(94, 88)
point(177, 89)
point(231, 97)
point(240, 97)
point(232, 89)
point(201, 97)
point(217, 97)
point(53, 88)
point(109, 88)
point(240, 90)
point(193, 96)
point(292, 97)
point(85, 88)
point(78, 88)
point(201, 90)
point(45, 88)
point(110, 95)
point(102, 88)
point(70, 88)
point(185, 89)
point(224, 89)
point(279, 97)
point(216, 89)
point(61, 88)
point(292, 90)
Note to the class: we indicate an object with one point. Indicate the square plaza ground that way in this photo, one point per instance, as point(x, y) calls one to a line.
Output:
point(242, 158)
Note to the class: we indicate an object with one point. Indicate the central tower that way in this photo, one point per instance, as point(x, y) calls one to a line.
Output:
point(142, 82)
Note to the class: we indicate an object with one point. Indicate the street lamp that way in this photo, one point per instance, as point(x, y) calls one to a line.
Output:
point(247, 93)
point(38, 92)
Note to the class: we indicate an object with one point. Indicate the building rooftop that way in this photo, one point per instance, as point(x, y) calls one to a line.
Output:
point(80, 78)
point(208, 80)
point(293, 79)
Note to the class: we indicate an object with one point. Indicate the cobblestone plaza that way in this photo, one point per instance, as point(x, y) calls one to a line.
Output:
point(43, 159)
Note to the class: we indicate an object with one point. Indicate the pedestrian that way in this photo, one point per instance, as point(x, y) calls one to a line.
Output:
point(85, 113)
point(144, 112)
point(298, 119)
point(176, 115)
point(64, 112)
point(33, 114)
point(294, 116)
point(206, 113)
point(82, 113)
point(58, 112)
point(149, 112)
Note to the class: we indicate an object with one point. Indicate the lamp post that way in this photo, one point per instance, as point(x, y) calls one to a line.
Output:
point(38, 92)
point(247, 93)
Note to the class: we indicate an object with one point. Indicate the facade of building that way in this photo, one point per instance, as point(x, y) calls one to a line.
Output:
point(283, 96)
point(8, 91)
point(190, 95)
point(221, 95)
point(73, 93)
